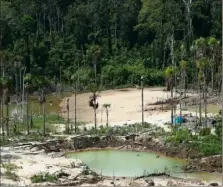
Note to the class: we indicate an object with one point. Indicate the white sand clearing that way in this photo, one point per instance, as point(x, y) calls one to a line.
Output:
point(125, 104)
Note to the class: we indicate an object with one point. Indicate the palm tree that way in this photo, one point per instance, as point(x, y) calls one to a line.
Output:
point(94, 102)
point(106, 106)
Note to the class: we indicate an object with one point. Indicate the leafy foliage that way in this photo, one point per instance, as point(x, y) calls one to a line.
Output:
point(55, 42)
point(43, 177)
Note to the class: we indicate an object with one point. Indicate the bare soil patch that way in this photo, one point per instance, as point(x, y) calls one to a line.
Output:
point(125, 104)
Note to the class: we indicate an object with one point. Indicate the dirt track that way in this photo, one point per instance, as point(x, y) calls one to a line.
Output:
point(125, 104)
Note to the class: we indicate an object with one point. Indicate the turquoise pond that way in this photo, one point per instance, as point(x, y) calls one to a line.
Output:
point(131, 164)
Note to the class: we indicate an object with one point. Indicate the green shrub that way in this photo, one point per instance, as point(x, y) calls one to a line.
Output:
point(3, 141)
point(43, 177)
point(208, 149)
point(10, 166)
point(205, 132)
point(218, 130)
point(11, 175)
point(183, 135)
point(208, 145)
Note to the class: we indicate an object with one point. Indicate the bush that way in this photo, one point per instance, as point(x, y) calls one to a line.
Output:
point(43, 177)
point(208, 145)
point(11, 175)
point(10, 166)
point(211, 149)
point(146, 125)
point(3, 141)
point(205, 132)
point(218, 130)
point(179, 136)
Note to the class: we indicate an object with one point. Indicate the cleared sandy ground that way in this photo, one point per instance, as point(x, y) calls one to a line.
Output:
point(125, 106)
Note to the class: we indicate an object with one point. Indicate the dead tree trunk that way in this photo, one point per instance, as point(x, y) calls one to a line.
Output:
point(27, 113)
point(68, 116)
point(1, 119)
point(75, 107)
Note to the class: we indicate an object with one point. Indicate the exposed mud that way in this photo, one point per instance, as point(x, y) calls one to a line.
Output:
point(137, 143)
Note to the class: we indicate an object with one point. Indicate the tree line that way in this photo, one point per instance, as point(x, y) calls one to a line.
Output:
point(54, 42)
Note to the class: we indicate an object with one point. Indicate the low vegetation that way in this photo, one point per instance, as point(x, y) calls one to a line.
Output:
point(204, 142)
point(43, 177)
point(10, 170)
point(118, 130)
point(18, 129)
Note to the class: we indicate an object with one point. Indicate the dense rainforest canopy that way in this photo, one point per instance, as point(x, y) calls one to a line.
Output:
point(48, 42)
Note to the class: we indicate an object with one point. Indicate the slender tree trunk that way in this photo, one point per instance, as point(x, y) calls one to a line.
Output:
point(75, 107)
point(222, 73)
point(212, 80)
point(50, 25)
point(171, 103)
point(78, 74)
point(2, 67)
point(1, 60)
point(199, 86)
point(95, 119)
point(164, 57)
point(27, 113)
point(7, 119)
point(115, 33)
point(20, 82)
point(82, 50)
point(2, 117)
point(180, 110)
point(205, 100)
point(109, 39)
point(44, 22)
point(58, 20)
point(172, 58)
point(62, 24)
point(189, 20)
point(31, 119)
point(95, 113)
point(44, 119)
point(142, 97)
point(23, 93)
point(185, 89)
point(16, 81)
point(60, 87)
point(107, 117)
point(14, 127)
point(101, 116)
point(68, 117)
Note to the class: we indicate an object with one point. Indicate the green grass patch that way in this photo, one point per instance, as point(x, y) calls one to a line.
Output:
point(205, 143)
point(10, 171)
point(118, 130)
point(43, 177)
point(10, 166)
point(11, 175)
